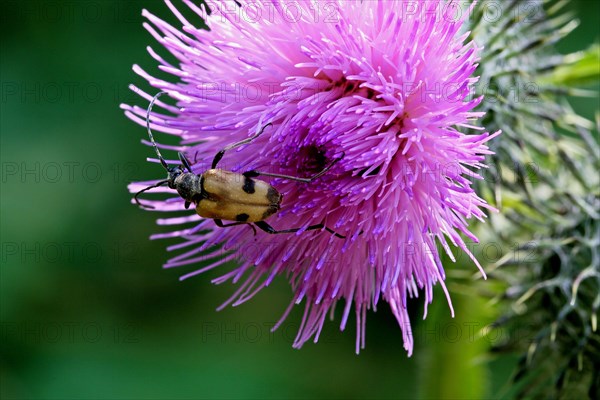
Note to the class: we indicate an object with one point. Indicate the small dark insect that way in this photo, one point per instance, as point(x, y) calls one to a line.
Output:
point(224, 195)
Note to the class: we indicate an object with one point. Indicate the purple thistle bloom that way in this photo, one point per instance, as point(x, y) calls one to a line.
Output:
point(373, 82)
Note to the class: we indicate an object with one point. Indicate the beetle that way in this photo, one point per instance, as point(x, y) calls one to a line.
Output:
point(224, 195)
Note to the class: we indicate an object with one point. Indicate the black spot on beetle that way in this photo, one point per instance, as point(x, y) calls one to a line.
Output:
point(272, 209)
point(242, 217)
point(273, 196)
point(248, 185)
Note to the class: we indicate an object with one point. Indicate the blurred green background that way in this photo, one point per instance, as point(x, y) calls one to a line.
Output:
point(86, 309)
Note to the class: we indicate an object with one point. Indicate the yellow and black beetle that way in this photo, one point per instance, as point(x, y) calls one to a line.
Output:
point(224, 195)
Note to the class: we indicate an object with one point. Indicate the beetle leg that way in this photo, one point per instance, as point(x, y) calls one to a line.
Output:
point(269, 229)
point(253, 173)
point(185, 162)
point(220, 154)
point(220, 224)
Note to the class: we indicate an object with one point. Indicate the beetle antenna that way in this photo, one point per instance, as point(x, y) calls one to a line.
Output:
point(160, 157)
point(145, 190)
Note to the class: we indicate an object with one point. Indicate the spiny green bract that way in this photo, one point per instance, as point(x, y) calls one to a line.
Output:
point(544, 180)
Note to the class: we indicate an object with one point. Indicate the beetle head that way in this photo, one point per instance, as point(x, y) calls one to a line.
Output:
point(173, 174)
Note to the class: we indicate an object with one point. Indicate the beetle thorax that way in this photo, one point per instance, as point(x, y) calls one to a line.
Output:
point(189, 186)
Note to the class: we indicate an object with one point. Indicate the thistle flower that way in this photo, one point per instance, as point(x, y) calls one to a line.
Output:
point(381, 87)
